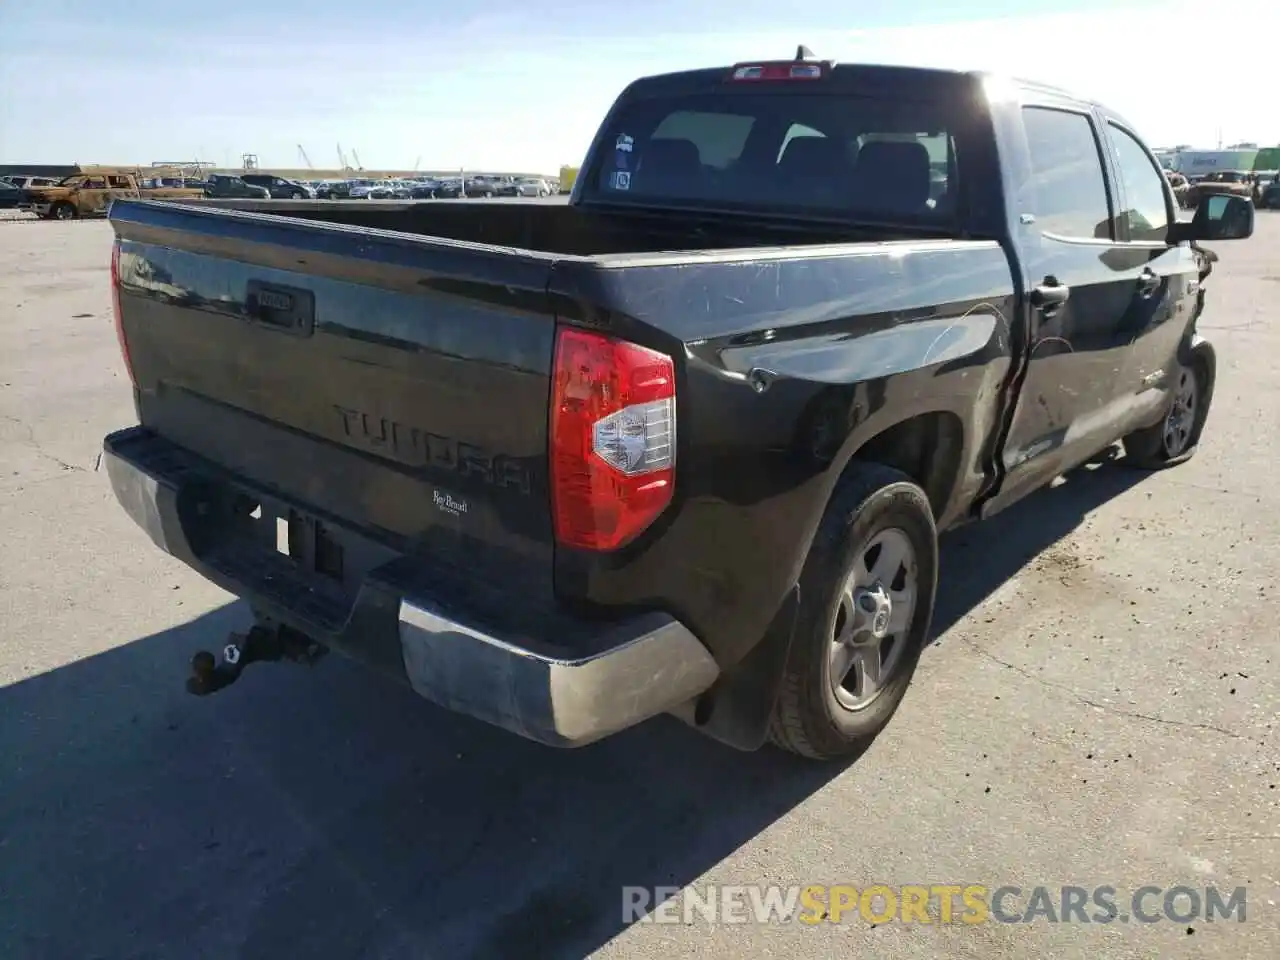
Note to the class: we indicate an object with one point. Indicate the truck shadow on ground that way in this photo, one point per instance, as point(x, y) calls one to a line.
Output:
point(326, 813)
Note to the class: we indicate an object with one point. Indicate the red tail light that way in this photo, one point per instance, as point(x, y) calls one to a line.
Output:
point(613, 435)
point(115, 308)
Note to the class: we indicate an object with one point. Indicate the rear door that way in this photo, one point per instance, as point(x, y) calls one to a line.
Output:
point(120, 187)
point(92, 197)
point(1080, 279)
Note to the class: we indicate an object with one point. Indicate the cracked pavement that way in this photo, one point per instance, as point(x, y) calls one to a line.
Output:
point(1100, 707)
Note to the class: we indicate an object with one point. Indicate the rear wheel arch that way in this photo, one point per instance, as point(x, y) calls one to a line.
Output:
point(927, 447)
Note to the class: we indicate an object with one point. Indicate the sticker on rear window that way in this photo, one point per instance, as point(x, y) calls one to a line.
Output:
point(622, 147)
point(621, 180)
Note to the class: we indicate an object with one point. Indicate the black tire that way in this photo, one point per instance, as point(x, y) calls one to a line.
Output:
point(297, 196)
point(63, 211)
point(808, 718)
point(1152, 448)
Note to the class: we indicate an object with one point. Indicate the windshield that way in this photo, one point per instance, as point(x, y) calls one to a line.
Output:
point(841, 156)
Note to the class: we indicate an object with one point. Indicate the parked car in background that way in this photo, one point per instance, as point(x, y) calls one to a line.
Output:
point(525, 187)
point(9, 195)
point(279, 188)
point(450, 188)
point(29, 183)
point(225, 185)
point(353, 188)
point(361, 189)
point(484, 186)
point(424, 189)
point(1270, 199)
point(380, 190)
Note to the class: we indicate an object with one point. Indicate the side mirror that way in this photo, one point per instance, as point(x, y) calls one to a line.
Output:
point(1222, 216)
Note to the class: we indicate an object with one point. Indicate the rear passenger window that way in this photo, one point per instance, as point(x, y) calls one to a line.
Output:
point(719, 137)
point(1144, 192)
point(1070, 194)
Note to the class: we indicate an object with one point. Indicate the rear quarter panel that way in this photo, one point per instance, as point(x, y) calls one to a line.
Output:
point(789, 363)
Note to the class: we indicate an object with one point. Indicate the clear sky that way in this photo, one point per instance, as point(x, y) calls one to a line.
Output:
point(505, 85)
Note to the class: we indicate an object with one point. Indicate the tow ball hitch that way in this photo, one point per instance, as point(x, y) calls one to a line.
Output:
point(261, 643)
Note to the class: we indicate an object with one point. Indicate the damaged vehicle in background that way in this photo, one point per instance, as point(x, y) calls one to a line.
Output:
point(1231, 183)
point(685, 444)
point(91, 194)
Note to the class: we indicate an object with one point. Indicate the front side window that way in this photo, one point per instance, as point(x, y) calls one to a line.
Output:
point(1146, 207)
point(1069, 190)
point(95, 183)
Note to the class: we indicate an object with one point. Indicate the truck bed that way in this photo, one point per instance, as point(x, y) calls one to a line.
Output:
point(551, 226)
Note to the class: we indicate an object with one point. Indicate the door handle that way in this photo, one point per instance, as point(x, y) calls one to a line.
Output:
point(1050, 295)
point(1148, 282)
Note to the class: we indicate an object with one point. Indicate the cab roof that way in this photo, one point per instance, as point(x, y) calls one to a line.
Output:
point(866, 78)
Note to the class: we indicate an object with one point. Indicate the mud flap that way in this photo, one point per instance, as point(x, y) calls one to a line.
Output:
point(736, 710)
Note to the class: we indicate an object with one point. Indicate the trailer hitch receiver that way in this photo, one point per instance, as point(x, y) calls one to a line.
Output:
point(262, 643)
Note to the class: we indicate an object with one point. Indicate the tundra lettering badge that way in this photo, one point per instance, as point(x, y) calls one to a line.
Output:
point(416, 447)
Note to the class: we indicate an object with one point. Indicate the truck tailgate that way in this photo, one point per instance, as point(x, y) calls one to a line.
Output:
point(388, 384)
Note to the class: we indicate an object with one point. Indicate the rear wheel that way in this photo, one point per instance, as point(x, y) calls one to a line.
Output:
point(867, 593)
point(63, 211)
point(1174, 439)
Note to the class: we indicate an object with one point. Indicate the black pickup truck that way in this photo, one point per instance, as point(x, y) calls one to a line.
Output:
point(684, 444)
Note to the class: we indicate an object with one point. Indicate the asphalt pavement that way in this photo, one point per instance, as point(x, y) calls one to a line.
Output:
point(1100, 708)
